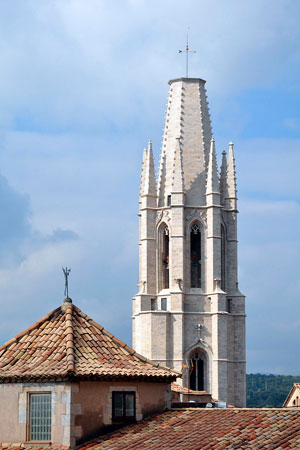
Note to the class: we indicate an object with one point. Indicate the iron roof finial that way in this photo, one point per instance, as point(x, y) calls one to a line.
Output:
point(66, 272)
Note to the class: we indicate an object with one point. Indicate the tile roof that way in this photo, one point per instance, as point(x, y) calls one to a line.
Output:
point(204, 429)
point(67, 344)
point(39, 446)
point(175, 387)
point(19, 446)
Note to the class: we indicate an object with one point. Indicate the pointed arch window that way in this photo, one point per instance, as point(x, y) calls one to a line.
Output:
point(197, 372)
point(165, 258)
point(195, 255)
point(223, 261)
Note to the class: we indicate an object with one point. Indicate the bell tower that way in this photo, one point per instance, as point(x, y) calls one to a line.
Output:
point(189, 313)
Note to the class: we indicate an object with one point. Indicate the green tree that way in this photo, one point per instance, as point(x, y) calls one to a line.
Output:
point(268, 391)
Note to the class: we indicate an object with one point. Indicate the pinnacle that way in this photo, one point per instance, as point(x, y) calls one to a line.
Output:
point(149, 187)
point(223, 177)
point(212, 183)
point(143, 171)
point(231, 176)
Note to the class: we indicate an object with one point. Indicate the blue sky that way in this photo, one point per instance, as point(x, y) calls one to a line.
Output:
point(83, 87)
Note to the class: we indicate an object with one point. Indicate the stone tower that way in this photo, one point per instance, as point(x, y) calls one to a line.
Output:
point(189, 313)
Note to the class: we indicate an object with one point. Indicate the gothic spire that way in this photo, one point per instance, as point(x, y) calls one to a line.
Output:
point(231, 179)
point(223, 177)
point(149, 181)
point(187, 116)
point(212, 182)
point(177, 181)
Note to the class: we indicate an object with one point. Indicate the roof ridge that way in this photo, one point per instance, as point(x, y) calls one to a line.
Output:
point(69, 338)
point(32, 327)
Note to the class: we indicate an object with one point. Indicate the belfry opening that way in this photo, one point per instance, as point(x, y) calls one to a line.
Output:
point(165, 258)
point(197, 372)
point(195, 256)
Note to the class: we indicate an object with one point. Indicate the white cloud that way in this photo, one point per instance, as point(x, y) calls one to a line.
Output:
point(79, 64)
point(83, 89)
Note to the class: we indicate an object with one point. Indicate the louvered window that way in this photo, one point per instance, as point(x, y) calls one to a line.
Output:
point(40, 417)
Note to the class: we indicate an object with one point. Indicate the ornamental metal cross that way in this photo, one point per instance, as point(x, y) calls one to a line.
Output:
point(66, 272)
point(187, 51)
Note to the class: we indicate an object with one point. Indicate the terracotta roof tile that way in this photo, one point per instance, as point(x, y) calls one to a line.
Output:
point(67, 343)
point(175, 387)
point(204, 429)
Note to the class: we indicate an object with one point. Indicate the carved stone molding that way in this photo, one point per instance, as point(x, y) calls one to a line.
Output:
point(163, 216)
point(190, 214)
point(179, 282)
point(203, 217)
point(159, 216)
point(196, 214)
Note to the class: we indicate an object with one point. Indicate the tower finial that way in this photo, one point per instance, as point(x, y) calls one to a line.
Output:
point(187, 51)
point(66, 272)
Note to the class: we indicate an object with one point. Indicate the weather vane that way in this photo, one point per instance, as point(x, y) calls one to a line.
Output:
point(187, 51)
point(66, 272)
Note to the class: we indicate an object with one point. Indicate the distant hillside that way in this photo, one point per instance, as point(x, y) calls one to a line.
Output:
point(268, 390)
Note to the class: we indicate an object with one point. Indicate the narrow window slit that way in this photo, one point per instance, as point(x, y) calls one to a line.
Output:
point(165, 258)
point(195, 256)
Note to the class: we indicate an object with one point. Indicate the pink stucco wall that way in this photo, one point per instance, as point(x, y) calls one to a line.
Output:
point(14, 399)
point(92, 402)
point(79, 410)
